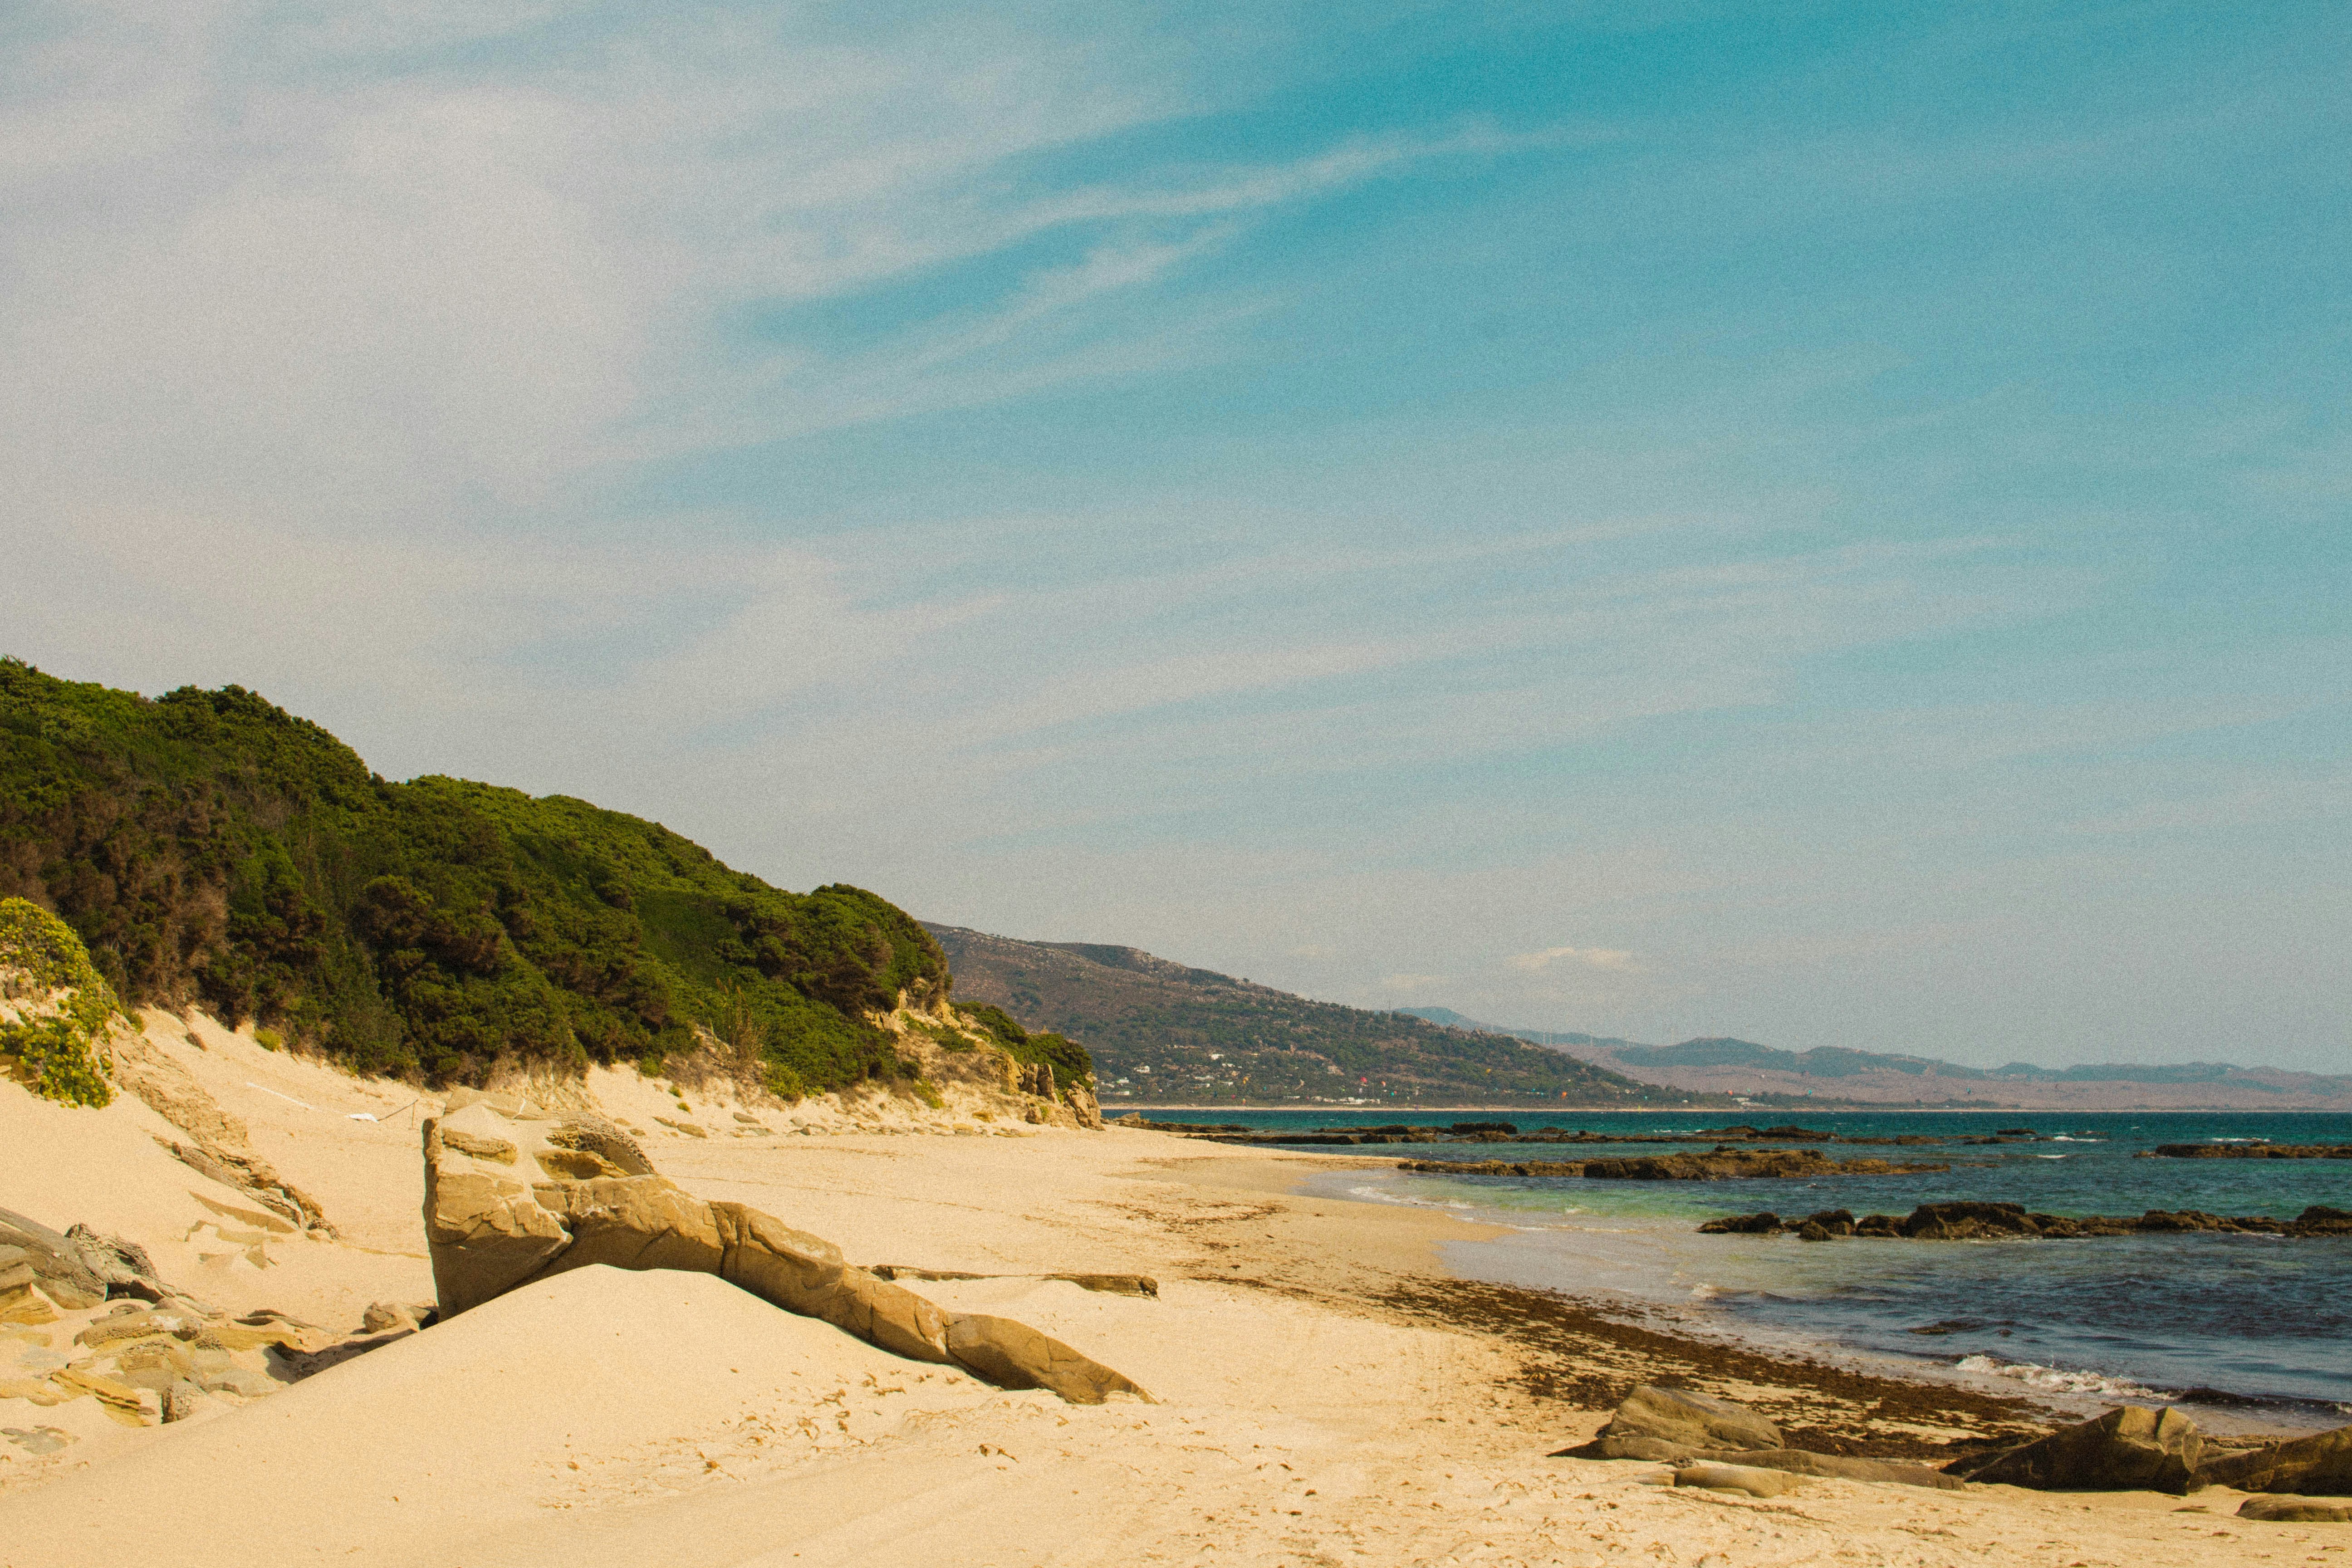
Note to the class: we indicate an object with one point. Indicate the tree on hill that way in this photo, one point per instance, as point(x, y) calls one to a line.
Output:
point(207, 846)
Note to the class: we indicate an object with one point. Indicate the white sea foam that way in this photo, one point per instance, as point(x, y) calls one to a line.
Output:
point(2052, 1380)
point(1379, 1196)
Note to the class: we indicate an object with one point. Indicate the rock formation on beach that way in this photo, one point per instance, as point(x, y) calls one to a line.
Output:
point(2321, 1463)
point(515, 1193)
point(2130, 1448)
point(1675, 1424)
point(2135, 1448)
point(1722, 1444)
point(143, 1349)
point(1990, 1222)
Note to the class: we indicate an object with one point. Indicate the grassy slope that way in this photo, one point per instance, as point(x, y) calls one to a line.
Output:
point(209, 847)
point(1133, 1011)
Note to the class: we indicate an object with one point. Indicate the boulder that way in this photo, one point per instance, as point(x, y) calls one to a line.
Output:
point(1749, 1478)
point(2321, 1463)
point(1015, 1355)
point(1767, 1223)
point(54, 1262)
point(393, 1316)
point(124, 1267)
point(1671, 1424)
point(486, 1234)
point(1967, 1222)
point(1798, 1461)
point(2130, 1448)
point(2283, 1510)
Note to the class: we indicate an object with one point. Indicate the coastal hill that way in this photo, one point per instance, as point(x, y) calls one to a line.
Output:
point(212, 850)
point(1831, 1073)
point(1163, 1032)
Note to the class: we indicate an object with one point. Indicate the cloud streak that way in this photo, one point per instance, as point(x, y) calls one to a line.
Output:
point(1614, 960)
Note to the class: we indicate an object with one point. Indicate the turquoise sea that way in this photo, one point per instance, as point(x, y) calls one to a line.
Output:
point(2243, 1329)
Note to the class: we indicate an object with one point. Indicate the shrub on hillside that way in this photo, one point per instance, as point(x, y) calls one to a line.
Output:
point(43, 964)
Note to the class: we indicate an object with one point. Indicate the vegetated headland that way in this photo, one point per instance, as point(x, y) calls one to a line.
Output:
point(210, 849)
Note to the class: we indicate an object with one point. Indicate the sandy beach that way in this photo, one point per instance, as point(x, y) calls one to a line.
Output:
point(1322, 1391)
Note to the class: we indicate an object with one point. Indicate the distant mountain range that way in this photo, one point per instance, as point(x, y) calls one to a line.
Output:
point(1830, 1072)
point(1164, 1033)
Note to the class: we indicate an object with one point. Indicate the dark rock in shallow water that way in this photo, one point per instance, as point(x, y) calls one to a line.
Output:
point(2131, 1448)
point(1717, 1165)
point(1994, 1222)
point(2248, 1151)
point(2321, 1463)
point(1767, 1223)
point(1968, 1221)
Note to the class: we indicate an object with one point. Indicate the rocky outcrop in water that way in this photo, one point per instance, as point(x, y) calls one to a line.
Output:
point(1992, 1222)
point(1509, 1133)
point(509, 1200)
point(1719, 1165)
point(2247, 1152)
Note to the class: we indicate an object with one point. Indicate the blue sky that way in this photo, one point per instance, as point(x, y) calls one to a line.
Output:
point(1825, 523)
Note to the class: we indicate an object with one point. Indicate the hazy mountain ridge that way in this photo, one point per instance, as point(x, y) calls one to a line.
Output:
point(1162, 1031)
point(1725, 1065)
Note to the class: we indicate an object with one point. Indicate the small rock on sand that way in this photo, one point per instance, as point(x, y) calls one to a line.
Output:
point(1749, 1478)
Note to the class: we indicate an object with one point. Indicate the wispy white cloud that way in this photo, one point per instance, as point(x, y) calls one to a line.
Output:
point(1609, 958)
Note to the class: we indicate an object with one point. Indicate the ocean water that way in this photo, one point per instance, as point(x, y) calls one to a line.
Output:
point(2245, 1330)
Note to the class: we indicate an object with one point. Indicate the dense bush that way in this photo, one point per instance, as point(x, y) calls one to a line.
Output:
point(208, 847)
point(1066, 1058)
point(55, 1053)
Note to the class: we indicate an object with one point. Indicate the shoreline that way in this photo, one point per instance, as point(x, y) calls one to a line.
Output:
point(1582, 1353)
point(1327, 1386)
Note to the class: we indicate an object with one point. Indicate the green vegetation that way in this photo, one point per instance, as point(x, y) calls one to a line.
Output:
point(1067, 1060)
point(208, 847)
point(56, 1055)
